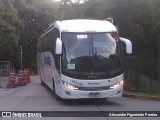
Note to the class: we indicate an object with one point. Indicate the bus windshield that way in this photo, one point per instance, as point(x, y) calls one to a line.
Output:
point(90, 56)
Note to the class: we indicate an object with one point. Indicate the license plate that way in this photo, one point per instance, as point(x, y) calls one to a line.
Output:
point(94, 95)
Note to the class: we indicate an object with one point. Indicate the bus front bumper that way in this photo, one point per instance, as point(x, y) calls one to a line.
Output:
point(79, 94)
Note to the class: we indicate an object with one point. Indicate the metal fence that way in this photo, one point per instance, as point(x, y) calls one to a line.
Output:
point(145, 66)
point(135, 68)
point(4, 73)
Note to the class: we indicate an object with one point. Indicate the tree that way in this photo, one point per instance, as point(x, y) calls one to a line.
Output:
point(155, 10)
point(37, 15)
point(9, 23)
point(23, 21)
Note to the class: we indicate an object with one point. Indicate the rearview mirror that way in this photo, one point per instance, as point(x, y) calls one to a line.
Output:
point(128, 45)
point(58, 50)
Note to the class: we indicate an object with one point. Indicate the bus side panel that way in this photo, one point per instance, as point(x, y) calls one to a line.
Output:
point(49, 72)
point(57, 83)
point(39, 65)
point(46, 65)
point(55, 76)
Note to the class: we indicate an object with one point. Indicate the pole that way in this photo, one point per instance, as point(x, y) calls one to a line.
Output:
point(21, 58)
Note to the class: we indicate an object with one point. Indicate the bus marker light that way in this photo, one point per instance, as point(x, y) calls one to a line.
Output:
point(121, 82)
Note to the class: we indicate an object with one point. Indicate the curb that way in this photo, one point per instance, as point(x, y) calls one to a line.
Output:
point(142, 96)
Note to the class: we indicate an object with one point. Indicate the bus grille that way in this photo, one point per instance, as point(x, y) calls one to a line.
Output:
point(93, 88)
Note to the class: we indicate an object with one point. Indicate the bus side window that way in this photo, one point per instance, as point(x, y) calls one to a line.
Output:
point(51, 42)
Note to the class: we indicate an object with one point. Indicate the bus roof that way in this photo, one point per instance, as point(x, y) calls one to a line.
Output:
point(85, 25)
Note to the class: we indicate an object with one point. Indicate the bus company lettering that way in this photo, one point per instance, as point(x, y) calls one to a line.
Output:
point(47, 60)
point(77, 83)
point(93, 83)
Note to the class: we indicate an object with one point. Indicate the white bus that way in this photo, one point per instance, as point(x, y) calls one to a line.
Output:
point(80, 59)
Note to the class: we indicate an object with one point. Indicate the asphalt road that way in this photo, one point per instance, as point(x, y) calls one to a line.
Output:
point(34, 97)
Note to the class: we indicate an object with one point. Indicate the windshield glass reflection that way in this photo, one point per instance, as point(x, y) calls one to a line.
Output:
point(89, 54)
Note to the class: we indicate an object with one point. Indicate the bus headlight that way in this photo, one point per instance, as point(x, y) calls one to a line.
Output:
point(70, 86)
point(116, 84)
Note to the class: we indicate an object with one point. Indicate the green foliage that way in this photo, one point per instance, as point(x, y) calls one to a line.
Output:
point(133, 17)
point(8, 31)
point(23, 21)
